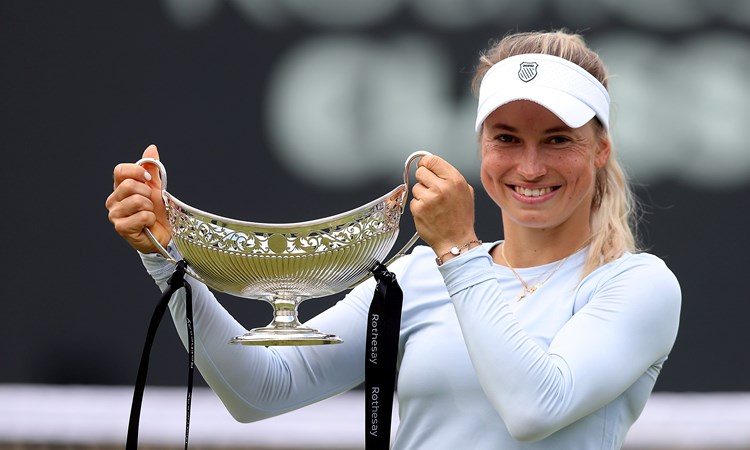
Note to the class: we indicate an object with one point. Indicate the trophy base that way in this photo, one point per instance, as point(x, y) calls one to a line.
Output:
point(267, 336)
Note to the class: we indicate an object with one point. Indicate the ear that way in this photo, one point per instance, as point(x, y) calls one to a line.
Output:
point(603, 151)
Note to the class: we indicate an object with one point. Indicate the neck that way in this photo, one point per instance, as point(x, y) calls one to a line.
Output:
point(529, 247)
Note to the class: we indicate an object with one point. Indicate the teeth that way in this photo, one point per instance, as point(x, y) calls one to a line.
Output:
point(533, 192)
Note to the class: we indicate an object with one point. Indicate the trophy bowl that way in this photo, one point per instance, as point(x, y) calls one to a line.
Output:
point(285, 263)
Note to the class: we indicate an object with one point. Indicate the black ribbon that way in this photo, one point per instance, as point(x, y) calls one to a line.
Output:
point(381, 353)
point(176, 282)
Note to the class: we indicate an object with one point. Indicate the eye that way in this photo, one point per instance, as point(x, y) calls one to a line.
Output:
point(506, 138)
point(559, 140)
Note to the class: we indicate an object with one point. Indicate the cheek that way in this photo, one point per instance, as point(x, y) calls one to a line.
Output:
point(491, 169)
point(576, 163)
point(486, 177)
point(582, 174)
point(496, 161)
point(491, 178)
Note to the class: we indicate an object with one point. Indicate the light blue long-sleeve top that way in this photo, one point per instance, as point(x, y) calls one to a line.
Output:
point(570, 366)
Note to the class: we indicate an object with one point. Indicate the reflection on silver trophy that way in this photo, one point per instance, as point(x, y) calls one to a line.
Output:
point(285, 264)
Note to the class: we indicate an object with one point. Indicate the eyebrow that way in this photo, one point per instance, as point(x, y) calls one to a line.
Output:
point(512, 129)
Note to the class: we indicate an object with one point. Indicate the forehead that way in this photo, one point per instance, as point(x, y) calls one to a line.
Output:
point(524, 114)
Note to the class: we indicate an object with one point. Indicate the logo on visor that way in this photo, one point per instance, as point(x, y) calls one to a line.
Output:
point(527, 71)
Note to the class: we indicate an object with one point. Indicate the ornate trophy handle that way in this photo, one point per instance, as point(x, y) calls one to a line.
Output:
point(407, 168)
point(163, 173)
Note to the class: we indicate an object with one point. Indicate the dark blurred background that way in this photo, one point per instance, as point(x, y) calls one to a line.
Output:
point(282, 111)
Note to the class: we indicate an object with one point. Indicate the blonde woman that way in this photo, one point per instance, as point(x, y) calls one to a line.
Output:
point(551, 338)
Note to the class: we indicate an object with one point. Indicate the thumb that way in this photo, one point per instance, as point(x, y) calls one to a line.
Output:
point(151, 152)
point(153, 170)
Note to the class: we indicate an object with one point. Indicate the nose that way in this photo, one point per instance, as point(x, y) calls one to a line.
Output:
point(530, 164)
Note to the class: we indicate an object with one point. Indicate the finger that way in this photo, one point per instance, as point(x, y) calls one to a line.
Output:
point(131, 227)
point(126, 171)
point(418, 191)
point(437, 165)
point(130, 206)
point(126, 188)
point(424, 176)
point(152, 152)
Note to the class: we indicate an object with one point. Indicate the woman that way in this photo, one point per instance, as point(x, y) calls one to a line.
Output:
point(549, 339)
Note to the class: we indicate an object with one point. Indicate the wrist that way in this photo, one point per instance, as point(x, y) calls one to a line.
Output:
point(456, 250)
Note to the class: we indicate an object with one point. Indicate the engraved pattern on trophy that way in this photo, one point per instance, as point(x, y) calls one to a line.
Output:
point(306, 261)
point(214, 234)
point(285, 264)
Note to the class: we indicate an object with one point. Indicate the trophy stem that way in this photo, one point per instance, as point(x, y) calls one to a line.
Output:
point(285, 329)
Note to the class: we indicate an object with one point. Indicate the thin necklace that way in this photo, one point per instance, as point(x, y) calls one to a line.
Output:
point(531, 289)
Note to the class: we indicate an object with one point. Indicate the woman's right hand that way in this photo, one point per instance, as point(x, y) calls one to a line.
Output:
point(136, 203)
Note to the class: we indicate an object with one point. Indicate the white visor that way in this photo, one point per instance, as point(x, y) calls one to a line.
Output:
point(564, 88)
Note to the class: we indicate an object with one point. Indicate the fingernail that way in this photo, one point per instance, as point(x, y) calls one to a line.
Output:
point(147, 175)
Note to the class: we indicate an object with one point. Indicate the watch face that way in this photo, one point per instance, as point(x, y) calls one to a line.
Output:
point(455, 251)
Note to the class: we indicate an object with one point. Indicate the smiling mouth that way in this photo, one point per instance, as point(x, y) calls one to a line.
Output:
point(533, 192)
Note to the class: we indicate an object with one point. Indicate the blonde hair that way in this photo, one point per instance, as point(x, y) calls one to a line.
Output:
point(613, 207)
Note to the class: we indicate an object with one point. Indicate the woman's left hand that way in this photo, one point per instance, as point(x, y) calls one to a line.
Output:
point(442, 205)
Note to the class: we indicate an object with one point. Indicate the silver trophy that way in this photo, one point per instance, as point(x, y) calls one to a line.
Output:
point(285, 264)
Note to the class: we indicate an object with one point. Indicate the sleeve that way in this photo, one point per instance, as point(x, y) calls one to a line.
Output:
point(628, 326)
point(256, 382)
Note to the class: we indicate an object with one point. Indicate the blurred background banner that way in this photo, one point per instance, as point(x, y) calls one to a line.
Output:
point(289, 110)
